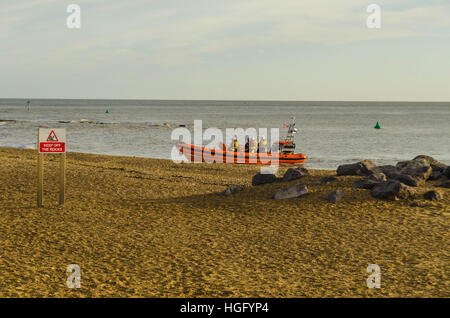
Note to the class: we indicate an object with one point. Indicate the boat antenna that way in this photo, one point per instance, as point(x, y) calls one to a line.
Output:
point(291, 131)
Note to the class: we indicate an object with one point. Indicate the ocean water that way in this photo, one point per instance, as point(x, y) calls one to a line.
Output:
point(330, 133)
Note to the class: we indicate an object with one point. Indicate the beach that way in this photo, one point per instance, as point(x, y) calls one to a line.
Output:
point(141, 227)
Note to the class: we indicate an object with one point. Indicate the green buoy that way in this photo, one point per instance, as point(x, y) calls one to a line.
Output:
point(28, 104)
point(377, 126)
point(107, 111)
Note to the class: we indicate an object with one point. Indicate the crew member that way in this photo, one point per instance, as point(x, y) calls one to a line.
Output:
point(254, 146)
point(247, 144)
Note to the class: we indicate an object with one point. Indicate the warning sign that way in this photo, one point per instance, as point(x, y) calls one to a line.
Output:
point(52, 140)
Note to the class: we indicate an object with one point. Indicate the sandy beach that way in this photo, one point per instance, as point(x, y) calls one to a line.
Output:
point(152, 228)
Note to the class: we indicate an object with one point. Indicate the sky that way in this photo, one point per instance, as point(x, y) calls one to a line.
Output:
point(226, 50)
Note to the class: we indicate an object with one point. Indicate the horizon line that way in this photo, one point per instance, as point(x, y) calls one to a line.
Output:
point(223, 100)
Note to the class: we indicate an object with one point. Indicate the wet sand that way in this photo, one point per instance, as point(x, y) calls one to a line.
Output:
point(153, 228)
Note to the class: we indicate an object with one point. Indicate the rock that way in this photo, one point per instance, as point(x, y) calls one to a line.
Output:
point(413, 176)
point(392, 190)
point(445, 184)
point(303, 171)
point(335, 196)
point(419, 204)
point(435, 165)
point(263, 178)
point(438, 167)
point(446, 172)
point(296, 191)
point(387, 169)
point(393, 174)
point(412, 163)
point(408, 180)
point(295, 173)
point(233, 189)
point(362, 168)
point(370, 181)
point(433, 195)
point(426, 158)
point(326, 180)
point(422, 160)
point(422, 172)
point(435, 175)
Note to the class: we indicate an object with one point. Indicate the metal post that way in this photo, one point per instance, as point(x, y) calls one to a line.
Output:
point(40, 175)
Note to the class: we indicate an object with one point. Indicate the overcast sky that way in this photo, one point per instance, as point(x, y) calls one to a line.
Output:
point(226, 49)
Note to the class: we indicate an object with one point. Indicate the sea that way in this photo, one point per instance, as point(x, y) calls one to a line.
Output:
point(329, 133)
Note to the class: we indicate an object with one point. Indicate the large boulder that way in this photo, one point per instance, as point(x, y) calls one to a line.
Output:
point(392, 190)
point(362, 168)
point(422, 160)
point(422, 172)
point(388, 170)
point(392, 174)
point(409, 180)
point(438, 167)
point(434, 195)
point(295, 173)
point(263, 178)
point(435, 165)
point(413, 176)
point(335, 196)
point(370, 181)
point(426, 158)
point(296, 191)
point(435, 175)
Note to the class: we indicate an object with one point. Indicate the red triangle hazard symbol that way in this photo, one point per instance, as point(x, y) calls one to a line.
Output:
point(52, 137)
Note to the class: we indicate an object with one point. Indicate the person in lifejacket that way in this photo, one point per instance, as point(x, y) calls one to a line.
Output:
point(247, 144)
point(253, 145)
point(234, 144)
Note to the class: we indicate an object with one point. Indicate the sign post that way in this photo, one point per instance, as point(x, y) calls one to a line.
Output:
point(51, 141)
point(62, 179)
point(40, 173)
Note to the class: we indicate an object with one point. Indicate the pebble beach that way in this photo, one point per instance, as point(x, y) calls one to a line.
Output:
point(142, 227)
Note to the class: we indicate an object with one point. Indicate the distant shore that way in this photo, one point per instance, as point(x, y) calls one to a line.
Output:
point(142, 227)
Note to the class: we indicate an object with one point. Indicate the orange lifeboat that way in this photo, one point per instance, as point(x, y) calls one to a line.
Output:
point(202, 154)
point(284, 155)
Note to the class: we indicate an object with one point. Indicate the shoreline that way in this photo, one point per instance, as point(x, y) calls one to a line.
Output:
point(306, 163)
point(141, 227)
